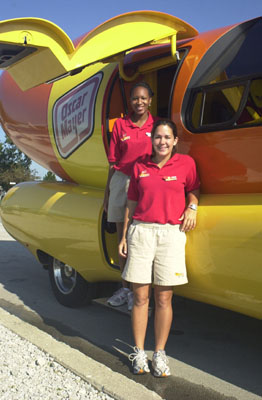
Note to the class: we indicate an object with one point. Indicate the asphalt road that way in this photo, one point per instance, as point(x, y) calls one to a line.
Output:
point(214, 354)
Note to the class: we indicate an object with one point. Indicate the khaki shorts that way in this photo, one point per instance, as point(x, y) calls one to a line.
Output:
point(117, 197)
point(156, 254)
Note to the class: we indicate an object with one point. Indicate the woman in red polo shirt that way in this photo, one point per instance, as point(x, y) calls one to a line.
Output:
point(162, 204)
point(131, 138)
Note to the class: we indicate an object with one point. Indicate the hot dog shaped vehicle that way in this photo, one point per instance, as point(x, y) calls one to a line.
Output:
point(58, 103)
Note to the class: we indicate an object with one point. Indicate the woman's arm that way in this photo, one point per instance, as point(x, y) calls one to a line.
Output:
point(130, 210)
point(189, 216)
point(111, 172)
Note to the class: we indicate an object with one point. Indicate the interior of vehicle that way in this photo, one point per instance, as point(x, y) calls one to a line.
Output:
point(161, 80)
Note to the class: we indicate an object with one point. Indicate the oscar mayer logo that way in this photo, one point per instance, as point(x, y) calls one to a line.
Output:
point(73, 116)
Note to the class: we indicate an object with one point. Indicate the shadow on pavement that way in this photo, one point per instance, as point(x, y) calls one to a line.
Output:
point(221, 343)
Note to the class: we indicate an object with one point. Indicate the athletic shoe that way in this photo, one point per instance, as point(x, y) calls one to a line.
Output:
point(139, 361)
point(159, 364)
point(130, 300)
point(119, 297)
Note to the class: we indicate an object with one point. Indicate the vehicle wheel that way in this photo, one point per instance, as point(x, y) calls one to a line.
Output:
point(70, 289)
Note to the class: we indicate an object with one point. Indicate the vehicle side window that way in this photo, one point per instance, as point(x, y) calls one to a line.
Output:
point(219, 95)
point(216, 105)
point(252, 112)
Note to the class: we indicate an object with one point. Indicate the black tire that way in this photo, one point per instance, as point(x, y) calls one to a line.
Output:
point(69, 288)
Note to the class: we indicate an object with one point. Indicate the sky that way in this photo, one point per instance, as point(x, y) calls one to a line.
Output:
point(80, 16)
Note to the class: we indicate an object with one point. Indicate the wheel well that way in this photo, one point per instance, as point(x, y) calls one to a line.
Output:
point(97, 289)
point(43, 257)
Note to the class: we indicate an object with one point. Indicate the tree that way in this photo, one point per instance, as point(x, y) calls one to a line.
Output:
point(14, 165)
point(11, 156)
point(49, 176)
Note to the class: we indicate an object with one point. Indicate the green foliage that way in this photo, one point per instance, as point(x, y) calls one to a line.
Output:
point(49, 176)
point(14, 165)
point(11, 156)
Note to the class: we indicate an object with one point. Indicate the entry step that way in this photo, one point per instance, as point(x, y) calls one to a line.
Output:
point(120, 309)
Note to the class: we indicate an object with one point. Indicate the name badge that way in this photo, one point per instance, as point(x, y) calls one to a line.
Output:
point(169, 178)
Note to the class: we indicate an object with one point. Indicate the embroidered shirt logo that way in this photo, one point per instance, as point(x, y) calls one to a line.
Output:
point(179, 274)
point(169, 178)
point(148, 134)
point(143, 174)
point(125, 137)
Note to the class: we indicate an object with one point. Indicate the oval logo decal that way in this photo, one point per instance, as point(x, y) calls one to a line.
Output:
point(73, 116)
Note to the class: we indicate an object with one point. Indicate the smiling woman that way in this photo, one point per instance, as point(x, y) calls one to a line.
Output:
point(130, 140)
point(157, 216)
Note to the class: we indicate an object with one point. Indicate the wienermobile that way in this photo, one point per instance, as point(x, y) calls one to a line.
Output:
point(58, 102)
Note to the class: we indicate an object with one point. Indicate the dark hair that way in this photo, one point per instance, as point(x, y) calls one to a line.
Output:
point(167, 122)
point(144, 85)
point(171, 125)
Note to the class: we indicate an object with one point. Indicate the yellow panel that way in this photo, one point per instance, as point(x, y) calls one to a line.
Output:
point(234, 95)
point(90, 155)
point(35, 30)
point(131, 30)
point(63, 220)
point(224, 257)
point(223, 253)
point(29, 75)
point(53, 48)
point(55, 54)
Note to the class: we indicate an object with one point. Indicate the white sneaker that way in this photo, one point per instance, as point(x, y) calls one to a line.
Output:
point(139, 361)
point(130, 300)
point(159, 364)
point(119, 297)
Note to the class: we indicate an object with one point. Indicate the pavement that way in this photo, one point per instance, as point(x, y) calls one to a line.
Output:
point(101, 377)
point(214, 354)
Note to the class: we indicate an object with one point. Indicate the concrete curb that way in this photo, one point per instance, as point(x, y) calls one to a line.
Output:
point(98, 375)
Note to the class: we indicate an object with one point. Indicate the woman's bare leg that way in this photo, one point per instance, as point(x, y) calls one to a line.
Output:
point(163, 315)
point(140, 312)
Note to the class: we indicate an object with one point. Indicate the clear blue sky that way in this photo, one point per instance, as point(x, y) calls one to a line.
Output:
point(79, 16)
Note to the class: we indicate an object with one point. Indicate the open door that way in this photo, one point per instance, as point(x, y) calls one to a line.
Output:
point(161, 80)
point(35, 51)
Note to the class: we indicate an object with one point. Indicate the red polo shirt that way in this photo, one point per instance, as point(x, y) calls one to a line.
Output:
point(160, 192)
point(129, 142)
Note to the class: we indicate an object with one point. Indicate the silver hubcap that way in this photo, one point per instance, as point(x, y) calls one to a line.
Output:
point(65, 276)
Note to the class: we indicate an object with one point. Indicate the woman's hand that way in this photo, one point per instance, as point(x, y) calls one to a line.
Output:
point(189, 220)
point(122, 248)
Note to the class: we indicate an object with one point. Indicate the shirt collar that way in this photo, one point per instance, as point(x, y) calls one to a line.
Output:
point(149, 121)
point(171, 161)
